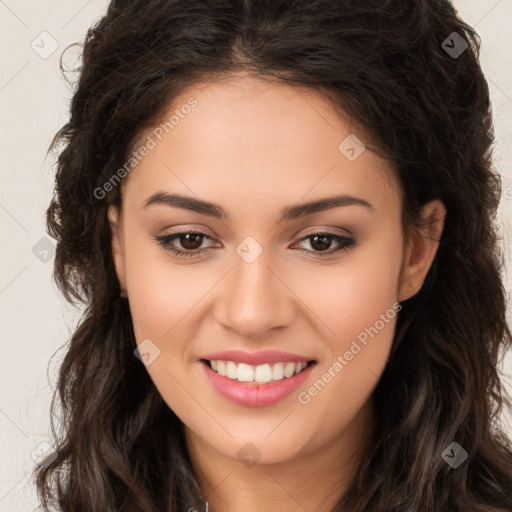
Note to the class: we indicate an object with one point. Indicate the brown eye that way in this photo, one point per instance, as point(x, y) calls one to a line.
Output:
point(320, 242)
point(188, 243)
point(191, 241)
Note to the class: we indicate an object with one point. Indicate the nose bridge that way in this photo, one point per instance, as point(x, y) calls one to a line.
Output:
point(253, 299)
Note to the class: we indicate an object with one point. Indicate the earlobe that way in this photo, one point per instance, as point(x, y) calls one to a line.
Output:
point(117, 246)
point(421, 249)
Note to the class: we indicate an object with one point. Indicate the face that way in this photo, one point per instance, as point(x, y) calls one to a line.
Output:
point(263, 274)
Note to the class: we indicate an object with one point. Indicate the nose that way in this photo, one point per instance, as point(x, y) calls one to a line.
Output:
point(254, 298)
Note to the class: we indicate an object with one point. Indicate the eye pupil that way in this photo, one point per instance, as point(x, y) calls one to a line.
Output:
point(325, 242)
point(186, 239)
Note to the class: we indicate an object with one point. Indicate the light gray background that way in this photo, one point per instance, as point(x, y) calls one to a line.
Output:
point(35, 320)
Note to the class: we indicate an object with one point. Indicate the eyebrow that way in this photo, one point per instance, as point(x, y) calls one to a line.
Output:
point(287, 214)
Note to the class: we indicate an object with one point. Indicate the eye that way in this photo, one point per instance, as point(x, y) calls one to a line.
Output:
point(321, 242)
point(191, 242)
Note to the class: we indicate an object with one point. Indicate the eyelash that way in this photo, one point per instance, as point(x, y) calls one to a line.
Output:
point(165, 242)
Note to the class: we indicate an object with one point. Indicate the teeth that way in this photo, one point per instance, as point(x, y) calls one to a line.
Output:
point(221, 367)
point(261, 374)
point(245, 373)
point(277, 372)
point(231, 370)
point(289, 369)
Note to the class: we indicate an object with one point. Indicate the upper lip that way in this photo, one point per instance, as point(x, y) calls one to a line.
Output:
point(256, 358)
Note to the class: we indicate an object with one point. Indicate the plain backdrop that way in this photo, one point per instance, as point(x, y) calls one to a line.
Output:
point(35, 320)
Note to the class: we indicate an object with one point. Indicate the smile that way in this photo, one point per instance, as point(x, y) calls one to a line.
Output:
point(256, 393)
point(261, 374)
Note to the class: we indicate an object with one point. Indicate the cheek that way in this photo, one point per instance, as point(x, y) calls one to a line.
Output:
point(365, 299)
point(358, 303)
point(163, 299)
point(357, 294)
point(161, 293)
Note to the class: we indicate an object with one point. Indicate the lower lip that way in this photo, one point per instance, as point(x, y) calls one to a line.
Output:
point(256, 395)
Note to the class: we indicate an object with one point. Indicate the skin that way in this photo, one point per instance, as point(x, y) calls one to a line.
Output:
point(254, 148)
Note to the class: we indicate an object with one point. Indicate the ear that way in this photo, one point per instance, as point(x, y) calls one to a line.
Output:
point(421, 249)
point(114, 218)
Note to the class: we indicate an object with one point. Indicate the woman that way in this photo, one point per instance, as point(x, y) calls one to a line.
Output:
point(279, 216)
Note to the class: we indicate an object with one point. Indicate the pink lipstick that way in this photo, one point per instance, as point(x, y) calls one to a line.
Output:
point(256, 379)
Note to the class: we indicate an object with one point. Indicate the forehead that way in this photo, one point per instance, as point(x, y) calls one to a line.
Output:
point(246, 139)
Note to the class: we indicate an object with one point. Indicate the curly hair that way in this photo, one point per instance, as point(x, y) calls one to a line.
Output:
point(383, 64)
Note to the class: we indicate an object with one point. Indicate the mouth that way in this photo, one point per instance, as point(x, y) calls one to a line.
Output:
point(257, 386)
point(257, 374)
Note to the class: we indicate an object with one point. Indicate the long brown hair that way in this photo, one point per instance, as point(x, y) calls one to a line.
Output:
point(408, 72)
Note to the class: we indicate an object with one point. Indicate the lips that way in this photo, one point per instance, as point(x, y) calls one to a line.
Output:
point(256, 379)
point(252, 394)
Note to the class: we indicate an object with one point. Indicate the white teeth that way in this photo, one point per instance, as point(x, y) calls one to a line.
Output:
point(289, 369)
point(221, 368)
point(277, 372)
point(260, 374)
point(245, 372)
point(263, 373)
point(231, 370)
